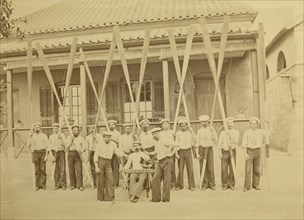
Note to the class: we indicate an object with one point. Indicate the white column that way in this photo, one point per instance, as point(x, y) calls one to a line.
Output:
point(166, 88)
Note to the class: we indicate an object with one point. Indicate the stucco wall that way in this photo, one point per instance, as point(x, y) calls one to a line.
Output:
point(285, 116)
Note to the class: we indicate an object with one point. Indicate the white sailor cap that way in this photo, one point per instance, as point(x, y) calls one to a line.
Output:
point(165, 120)
point(75, 125)
point(144, 120)
point(127, 125)
point(112, 121)
point(107, 133)
point(137, 142)
point(230, 119)
point(56, 125)
point(153, 130)
point(204, 118)
point(36, 125)
point(182, 121)
point(91, 127)
point(254, 119)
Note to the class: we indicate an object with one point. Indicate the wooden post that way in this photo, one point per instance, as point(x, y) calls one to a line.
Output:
point(10, 114)
point(166, 88)
point(83, 89)
point(255, 83)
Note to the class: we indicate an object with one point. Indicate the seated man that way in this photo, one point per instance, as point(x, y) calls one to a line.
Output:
point(138, 161)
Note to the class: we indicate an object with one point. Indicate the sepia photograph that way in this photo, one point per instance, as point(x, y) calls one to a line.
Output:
point(151, 109)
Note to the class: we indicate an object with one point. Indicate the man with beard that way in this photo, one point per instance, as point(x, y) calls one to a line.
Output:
point(206, 138)
point(115, 136)
point(168, 133)
point(75, 146)
point(126, 142)
point(145, 136)
point(228, 141)
point(57, 142)
point(103, 166)
point(39, 145)
point(90, 142)
point(137, 180)
point(164, 150)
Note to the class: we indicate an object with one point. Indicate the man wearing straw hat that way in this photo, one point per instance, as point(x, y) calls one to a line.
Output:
point(137, 180)
point(185, 141)
point(252, 143)
point(205, 139)
point(115, 136)
point(40, 146)
point(126, 142)
point(228, 139)
point(146, 136)
point(75, 146)
point(168, 133)
point(103, 166)
point(57, 142)
point(164, 150)
point(90, 144)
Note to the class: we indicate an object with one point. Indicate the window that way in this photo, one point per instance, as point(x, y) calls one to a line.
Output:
point(159, 97)
point(281, 63)
point(145, 104)
point(112, 101)
point(92, 105)
point(46, 107)
point(267, 73)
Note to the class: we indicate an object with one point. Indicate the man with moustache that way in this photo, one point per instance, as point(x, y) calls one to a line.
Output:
point(126, 142)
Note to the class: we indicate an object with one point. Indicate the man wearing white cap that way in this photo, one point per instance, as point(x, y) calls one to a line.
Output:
point(168, 133)
point(137, 179)
point(40, 146)
point(115, 136)
point(103, 166)
point(185, 141)
point(75, 146)
point(253, 140)
point(57, 142)
point(205, 139)
point(164, 150)
point(91, 141)
point(146, 136)
point(126, 141)
point(228, 139)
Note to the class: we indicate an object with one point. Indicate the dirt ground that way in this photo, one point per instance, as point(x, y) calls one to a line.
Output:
point(283, 199)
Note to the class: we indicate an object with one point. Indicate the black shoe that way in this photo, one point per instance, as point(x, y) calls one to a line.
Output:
point(72, 187)
point(256, 188)
point(36, 188)
point(44, 188)
point(56, 187)
point(204, 188)
point(245, 190)
point(232, 188)
point(213, 188)
point(164, 200)
point(225, 187)
point(63, 188)
point(153, 200)
point(81, 188)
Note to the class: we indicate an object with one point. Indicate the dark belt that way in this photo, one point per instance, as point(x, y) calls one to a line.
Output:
point(42, 150)
point(185, 149)
point(104, 158)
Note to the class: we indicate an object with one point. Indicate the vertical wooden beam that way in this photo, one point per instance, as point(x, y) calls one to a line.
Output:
point(83, 89)
point(255, 83)
point(262, 74)
point(10, 114)
point(166, 88)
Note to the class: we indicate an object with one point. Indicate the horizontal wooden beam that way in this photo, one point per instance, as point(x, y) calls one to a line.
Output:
point(102, 56)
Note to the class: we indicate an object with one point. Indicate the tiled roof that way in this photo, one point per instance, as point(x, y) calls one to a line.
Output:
point(127, 36)
point(87, 14)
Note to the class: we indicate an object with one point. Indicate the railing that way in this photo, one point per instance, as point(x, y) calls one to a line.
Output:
point(195, 124)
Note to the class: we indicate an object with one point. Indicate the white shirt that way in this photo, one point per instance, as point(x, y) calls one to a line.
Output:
point(90, 141)
point(115, 136)
point(206, 137)
point(228, 138)
point(106, 150)
point(254, 139)
point(167, 134)
point(126, 143)
point(164, 147)
point(134, 160)
point(146, 139)
point(77, 144)
point(38, 141)
point(184, 139)
point(56, 143)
